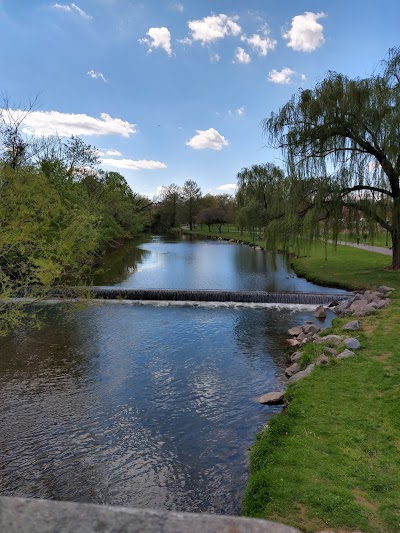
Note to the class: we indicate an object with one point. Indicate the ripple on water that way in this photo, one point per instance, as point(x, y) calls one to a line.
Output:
point(138, 405)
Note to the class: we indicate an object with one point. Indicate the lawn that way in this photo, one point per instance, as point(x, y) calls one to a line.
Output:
point(331, 460)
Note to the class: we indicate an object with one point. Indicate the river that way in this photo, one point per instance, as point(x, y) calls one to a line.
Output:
point(147, 406)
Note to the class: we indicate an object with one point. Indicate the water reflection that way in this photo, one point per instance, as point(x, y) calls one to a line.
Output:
point(139, 406)
point(182, 262)
point(146, 406)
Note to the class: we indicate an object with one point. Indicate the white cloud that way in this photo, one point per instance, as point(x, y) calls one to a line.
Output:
point(282, 77)
point(176, 6)
point(227, 187)
point(241, 56)
point(96, 75)
point(186, 40)
point(214, 58)
point(111, 152)
point(303, 77)
point(130, 164)
point(239, 111)
point(70, 8)
point(306, 34)
point(214, 27)
point(262, 45)
point(66, 124)
point(160, 38)
point(209, 139)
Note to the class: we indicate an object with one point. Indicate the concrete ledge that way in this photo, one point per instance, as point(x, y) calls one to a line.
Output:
point(23, 515)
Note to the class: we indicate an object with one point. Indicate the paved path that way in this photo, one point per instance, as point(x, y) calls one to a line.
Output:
point(378, 249)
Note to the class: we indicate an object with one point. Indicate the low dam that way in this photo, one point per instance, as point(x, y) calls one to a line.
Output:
point(118, 293)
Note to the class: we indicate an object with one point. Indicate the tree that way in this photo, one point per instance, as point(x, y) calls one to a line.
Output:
point(191, 193)
point(256, 197)
point(343, 138)
point(212, 215)
point(167, 207)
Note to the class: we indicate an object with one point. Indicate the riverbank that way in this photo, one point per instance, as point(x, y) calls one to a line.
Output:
point(330, 461)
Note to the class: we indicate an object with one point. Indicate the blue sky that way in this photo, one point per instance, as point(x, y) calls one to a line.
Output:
point(173, 90)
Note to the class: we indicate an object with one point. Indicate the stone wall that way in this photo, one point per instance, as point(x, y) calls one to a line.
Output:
point(22, 515)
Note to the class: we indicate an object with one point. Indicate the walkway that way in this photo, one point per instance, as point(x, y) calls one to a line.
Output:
point(377, 249)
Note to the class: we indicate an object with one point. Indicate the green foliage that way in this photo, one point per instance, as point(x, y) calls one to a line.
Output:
point(57, 213)
point(340, 142)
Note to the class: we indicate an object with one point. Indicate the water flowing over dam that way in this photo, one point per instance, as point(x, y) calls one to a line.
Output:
point(113, 293)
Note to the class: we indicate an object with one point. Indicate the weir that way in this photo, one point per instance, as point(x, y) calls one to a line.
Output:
point(114, 293)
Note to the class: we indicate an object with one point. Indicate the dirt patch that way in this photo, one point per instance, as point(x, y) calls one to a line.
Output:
point(383, 357)
point(362, 500)
point(370, 328)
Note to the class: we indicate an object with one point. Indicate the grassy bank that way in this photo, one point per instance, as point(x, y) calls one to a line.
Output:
point(331, 460)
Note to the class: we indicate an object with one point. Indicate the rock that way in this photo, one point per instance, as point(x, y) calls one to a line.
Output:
point(353, 325)
point(345, 354)
point(272, 398)
point(320, 312)
point(301, 337)
point(310, 328)
point(295, 331)
point(343, 305)
point(302, 374)
point(359, 296)
point(373, 295)
point(308, 322)
point(292, 370)
point(334, 339)
point(382, 303)
point(322, 360)
point(352, 344)
point(346, 312)
point(330, 351)
point(295, 357)
point(333, 303)
point(359, 304)
point(384, 289)
point(293, 343)
point(363, 311)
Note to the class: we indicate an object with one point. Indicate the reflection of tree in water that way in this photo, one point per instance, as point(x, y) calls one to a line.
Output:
point(43, 373)
point(119, 263)
point(274, 269)
point(56, 346)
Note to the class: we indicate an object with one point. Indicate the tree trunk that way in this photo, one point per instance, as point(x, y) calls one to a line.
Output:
point(396, 234)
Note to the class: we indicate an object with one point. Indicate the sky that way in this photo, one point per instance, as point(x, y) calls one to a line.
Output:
point(173, 90)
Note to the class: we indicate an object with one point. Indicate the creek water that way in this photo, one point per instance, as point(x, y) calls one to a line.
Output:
point(147, 406)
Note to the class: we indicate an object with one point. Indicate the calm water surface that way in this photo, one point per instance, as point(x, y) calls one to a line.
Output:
point(146, 406)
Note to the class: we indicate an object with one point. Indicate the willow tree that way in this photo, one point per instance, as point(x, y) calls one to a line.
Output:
point(288, 211)
point(257, 197)
point(344, 136)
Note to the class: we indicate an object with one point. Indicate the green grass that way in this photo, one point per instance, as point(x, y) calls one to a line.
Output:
point(332, 458)
point(347, 267)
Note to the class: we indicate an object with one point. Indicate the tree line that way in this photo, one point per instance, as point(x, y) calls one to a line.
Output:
point(341, 147)
point(58, 211)
point(185, 205)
